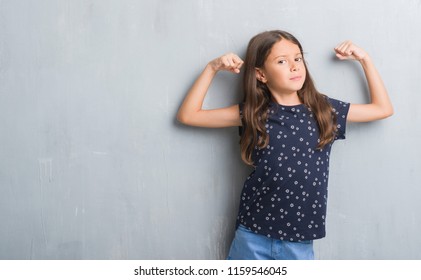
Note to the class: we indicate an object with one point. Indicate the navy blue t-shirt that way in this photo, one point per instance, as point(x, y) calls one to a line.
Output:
point(285, 197)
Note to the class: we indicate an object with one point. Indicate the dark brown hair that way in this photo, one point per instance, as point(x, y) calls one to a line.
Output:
point(257, 97)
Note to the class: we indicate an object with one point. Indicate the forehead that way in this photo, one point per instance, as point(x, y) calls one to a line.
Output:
point(284, 48)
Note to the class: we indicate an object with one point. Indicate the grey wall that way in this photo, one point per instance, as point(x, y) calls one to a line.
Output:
point(93, 164)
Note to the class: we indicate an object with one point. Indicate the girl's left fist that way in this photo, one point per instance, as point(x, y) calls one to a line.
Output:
point(350, 51)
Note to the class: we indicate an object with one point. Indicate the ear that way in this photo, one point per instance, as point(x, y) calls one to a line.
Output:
point(260, 75)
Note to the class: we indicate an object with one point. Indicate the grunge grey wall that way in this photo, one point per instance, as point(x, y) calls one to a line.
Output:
point(93, 164)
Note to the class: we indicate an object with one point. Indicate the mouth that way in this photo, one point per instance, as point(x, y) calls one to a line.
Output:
point(296, 78)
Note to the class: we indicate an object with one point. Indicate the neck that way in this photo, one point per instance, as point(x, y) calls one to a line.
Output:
point(287, 99)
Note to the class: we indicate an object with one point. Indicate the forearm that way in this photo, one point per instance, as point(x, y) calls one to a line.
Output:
point(193, 102)
point(378, 92)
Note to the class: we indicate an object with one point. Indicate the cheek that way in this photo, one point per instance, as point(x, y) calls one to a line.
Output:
point(281, 73)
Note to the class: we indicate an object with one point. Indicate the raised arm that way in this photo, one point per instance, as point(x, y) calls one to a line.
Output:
point(380, 106)
point(191, 112)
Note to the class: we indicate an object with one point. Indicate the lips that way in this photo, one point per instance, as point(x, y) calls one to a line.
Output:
point(296, 78)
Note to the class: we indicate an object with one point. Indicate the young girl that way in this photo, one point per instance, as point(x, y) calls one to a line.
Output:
point(288, 128)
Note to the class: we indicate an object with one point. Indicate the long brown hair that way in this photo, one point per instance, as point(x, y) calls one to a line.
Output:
point(257, 97)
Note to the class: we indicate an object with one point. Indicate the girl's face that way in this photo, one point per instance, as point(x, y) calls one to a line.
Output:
point(283, 71)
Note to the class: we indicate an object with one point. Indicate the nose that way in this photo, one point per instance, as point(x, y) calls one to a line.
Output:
point(295, 67)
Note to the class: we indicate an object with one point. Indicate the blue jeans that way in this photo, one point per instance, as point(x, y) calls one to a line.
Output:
point(248, 245)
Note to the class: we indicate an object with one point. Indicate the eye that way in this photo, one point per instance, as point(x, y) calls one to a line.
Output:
point(299, 59)
point(282, 61)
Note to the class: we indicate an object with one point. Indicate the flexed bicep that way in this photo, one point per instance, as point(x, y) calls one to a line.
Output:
point(380, 106)
point(366, 113)
point(215, 118)
point(191, 111)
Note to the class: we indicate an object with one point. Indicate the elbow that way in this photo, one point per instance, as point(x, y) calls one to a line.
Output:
point(384, 114)
point(183, 118)
point(385, 111)
point(389, 112)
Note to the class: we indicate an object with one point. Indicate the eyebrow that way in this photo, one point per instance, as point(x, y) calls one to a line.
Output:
point(284, 55)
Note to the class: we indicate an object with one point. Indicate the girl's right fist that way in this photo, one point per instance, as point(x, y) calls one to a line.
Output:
point(228, 62)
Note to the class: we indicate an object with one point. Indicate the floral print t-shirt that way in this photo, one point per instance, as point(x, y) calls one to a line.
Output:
point(285, 197)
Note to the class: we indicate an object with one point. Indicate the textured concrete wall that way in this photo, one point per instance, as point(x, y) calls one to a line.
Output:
point(93, 164)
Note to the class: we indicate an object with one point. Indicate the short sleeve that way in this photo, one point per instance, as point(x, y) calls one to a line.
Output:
point(340, 108)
